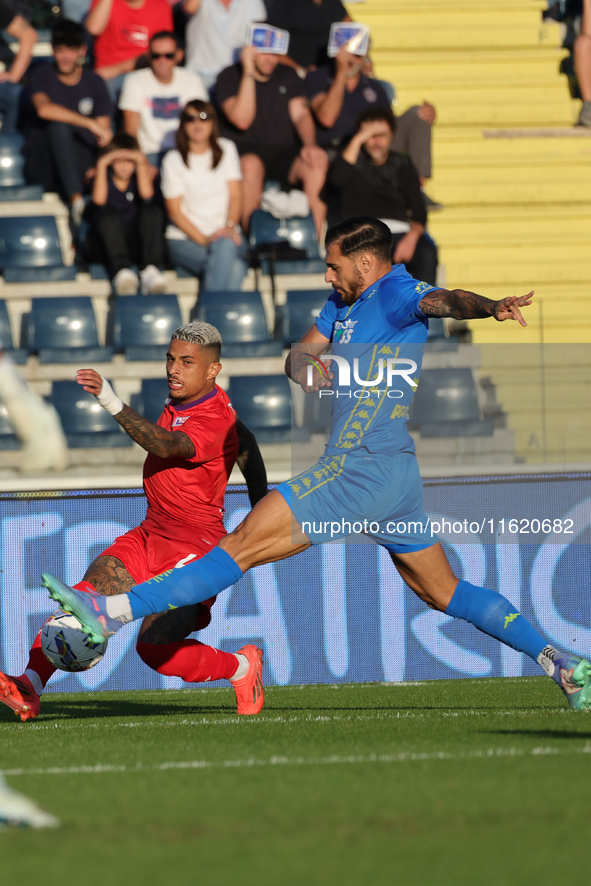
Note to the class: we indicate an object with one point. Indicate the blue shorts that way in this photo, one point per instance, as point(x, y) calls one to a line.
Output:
point(378, 496)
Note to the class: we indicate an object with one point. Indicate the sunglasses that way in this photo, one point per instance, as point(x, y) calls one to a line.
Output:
point(168, 55)
point(202, 115)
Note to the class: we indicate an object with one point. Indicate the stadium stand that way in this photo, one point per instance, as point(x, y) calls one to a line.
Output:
point(141, 325)
point(264, 405)
point(271, 237)
point(240, 318)
point(12, 181)
point(19, 355)
point(446, 405)
point(150, 399)
point(85, 422)
point(30, 250)
point(63, 330)
point(302, 307)
point(8, 439)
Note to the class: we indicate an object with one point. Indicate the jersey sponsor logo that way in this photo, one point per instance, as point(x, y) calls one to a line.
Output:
point(343, 331)
point(86, 106)
point(184, 561)
point(422, 287)
point(166, 108)
point(180, 420)
point(137, 35)
point(510, 618)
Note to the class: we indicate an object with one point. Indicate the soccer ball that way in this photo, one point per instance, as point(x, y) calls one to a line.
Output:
point(66, 646)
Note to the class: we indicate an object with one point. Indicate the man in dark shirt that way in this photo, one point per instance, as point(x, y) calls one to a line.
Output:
point(308, 23)
point(340, 91)
point(264, 111)
point(368, 178)
point(74, 118)
point(17, 27)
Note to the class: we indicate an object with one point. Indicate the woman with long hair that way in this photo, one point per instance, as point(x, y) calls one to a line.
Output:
point(202, 188)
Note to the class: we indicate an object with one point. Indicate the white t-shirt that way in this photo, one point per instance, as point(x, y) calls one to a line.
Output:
point(159, 104)
point(204, 191)
point(215, 33)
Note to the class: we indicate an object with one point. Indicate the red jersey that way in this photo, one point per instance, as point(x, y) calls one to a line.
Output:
point(186, 495)
point(129, 30)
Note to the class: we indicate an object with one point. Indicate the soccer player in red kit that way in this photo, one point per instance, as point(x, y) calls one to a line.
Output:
point(191, 452)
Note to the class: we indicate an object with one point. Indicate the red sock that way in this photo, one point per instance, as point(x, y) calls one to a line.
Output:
point(37, 661)
point(193, 661)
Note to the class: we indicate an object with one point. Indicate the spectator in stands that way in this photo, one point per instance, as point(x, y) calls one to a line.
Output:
point(216, 32)
point(340, 91)
point(152, 99)
point(125, 228)
point(308, 23)
point(17, 27)
point(202, 188)
point(371, 179)
point(266, 114)
point(583, 64)
point(122, 30)
point(73, 118)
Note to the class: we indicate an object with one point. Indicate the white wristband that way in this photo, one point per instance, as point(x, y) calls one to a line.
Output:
point(109, 399)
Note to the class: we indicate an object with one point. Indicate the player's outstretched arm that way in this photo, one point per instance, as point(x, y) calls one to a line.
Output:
point(463, 305)
point(250, 461)
point(150, 436)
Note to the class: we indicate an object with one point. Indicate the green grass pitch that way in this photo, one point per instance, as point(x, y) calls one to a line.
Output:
point(460, 782)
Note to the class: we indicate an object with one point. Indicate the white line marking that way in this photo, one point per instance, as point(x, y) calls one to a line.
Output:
point(251, 762)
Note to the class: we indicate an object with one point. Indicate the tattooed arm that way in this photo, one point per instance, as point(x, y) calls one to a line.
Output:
point(150, 436)
point(463, 305)
point(250, 461)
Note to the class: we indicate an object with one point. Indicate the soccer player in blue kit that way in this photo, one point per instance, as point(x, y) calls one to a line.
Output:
point(376, 317)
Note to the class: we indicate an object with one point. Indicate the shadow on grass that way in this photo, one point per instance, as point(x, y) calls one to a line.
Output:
point(541, 733)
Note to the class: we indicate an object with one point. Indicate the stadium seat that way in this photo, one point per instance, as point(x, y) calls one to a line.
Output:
point(240, 318)
point(266, 232)
point(8, 439)
point(12, 160)
point(302, 307)
point(30, 250)
point(446, 405)
point(63, 330)
point(438, 340)
point(85, 422)
point(151, 398)
point(141, 325)
point(6, 339)
point(263, 402)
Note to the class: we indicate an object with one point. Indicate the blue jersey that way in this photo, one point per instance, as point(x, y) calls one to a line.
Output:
point(378, 345)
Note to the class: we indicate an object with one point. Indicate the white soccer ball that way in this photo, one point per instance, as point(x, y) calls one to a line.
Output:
point(66, 646)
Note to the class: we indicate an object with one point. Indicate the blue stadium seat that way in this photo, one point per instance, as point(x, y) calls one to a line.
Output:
point(19, 193)
point(263, 402)
point(151, 398)
point(8, 439)
point(6, 339)
point(299, 233)
point(141, 325)
point(63, 330)
point(446, 405)
point(438, 340)
point(85, 422)
point(12, 160)
point(302, 307)
point(30, 250)
point(240, 318)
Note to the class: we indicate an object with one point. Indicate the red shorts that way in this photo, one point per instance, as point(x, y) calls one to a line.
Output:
point(145, 554)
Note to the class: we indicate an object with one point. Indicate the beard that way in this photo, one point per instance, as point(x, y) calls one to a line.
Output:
point(355, 286)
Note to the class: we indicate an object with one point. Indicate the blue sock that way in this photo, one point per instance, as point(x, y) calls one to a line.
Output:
point(494, 615)
point(197, 581)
